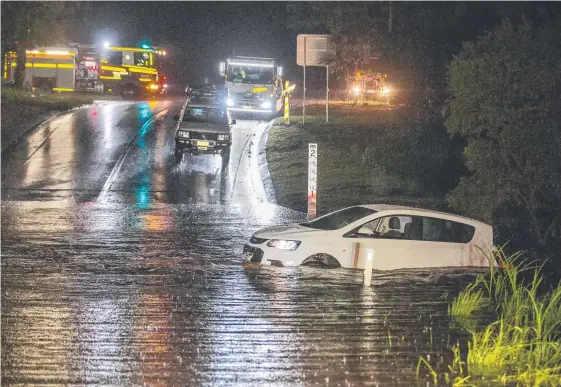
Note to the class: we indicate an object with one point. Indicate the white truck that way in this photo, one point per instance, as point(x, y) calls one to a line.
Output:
point(254, 85)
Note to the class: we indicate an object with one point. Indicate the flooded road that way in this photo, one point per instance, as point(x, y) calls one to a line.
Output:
point(122, 267)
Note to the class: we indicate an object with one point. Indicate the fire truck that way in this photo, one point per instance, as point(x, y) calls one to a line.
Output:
point(368, 86)
point(255, 85)
point(127, 71)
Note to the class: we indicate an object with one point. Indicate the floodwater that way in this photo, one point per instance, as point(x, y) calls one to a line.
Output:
point(122, 267)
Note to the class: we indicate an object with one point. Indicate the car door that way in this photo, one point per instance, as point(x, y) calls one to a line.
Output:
point(389, 244)
point(413, 242)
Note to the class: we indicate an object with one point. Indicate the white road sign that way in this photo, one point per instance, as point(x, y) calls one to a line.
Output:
point(313, 50)
point(312, 179)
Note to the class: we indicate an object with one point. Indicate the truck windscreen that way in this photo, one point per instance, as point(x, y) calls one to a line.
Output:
point(250, 74)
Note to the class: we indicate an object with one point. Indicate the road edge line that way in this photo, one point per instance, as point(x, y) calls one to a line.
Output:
point(128, 148)
point(263, 165)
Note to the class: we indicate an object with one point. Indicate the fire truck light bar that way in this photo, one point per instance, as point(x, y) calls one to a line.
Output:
point(50, 52)
point(251, 64)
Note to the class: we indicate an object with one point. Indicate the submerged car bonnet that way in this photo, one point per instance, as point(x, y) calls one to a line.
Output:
point(293, 229)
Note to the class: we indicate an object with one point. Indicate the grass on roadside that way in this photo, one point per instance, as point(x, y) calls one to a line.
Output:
point(54, 101)
point(349, 171)
point(522, 345)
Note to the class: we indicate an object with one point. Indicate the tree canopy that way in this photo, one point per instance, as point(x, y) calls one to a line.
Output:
point(506, 101)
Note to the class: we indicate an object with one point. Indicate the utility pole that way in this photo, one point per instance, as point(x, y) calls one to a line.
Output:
point(390, 19)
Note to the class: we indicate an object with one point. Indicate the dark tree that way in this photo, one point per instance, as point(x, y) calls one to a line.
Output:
point(31, 24)
point(506, 101)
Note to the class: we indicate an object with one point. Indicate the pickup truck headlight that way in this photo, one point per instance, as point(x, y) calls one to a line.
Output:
point(282, 244)
point(223, 137)
point(183, 134)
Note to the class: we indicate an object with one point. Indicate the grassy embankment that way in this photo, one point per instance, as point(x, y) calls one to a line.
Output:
point(521, 345)
point(361, 154)
point(19, 106)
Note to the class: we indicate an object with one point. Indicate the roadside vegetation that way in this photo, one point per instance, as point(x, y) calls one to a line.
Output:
point(366, 154)
point(521, 344)
point(52, 101)
point(20, 107)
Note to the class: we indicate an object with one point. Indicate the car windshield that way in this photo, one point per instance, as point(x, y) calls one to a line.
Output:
point(339, 219)
point(250, 74)
point(203, 114)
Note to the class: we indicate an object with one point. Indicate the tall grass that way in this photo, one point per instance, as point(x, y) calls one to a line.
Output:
point(522, 345)
point(468, 302)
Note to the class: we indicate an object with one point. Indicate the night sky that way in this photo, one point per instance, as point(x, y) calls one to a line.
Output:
point(199, 34)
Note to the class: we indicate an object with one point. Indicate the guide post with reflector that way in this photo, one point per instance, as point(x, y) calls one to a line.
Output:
point(286, 108)
point(368, 265)
point(287, 91)
point(312, 179)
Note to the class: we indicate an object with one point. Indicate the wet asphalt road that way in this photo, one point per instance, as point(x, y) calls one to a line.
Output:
point(122, 267)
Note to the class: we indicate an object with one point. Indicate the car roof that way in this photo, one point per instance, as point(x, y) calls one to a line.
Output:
point(394, 209)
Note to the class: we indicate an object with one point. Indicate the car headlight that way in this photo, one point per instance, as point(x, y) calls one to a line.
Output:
point(223, 137)
point(183, 134)
point(282, 244)
point(386, 90)
point(230, 102)
point(266, 105)
point(357, 89)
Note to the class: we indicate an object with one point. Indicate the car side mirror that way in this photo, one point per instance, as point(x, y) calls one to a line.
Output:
point(233, 122)
point(176, 118)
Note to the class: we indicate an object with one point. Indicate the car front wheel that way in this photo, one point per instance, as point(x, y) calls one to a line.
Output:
point(321, 260)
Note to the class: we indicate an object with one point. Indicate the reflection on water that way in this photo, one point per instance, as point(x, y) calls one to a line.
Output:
point(129, 296)
point(143, 181)
point(53, 162)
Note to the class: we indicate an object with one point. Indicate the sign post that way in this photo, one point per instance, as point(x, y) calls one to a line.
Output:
point(304, 91)
point(327, 94)
point(312, 179)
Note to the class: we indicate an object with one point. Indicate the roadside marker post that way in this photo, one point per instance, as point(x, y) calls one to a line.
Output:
point(368, 264)
point(312, 179)
point(287, 105)
point(287, 91)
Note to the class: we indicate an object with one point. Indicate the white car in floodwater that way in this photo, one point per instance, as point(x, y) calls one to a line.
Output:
point(395, 237)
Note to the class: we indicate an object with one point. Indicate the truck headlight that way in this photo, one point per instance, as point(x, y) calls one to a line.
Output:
point(230, 102)
point(153, 86)
point(223, 137)
point(183, 133)
point(266, 105)
point(282, 244)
